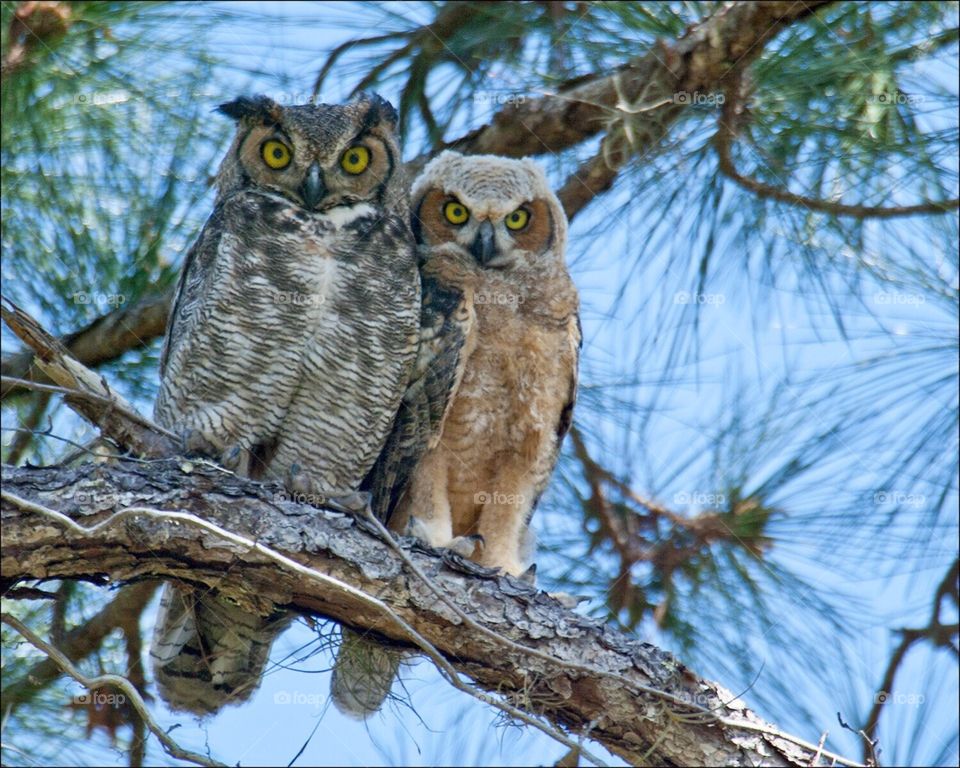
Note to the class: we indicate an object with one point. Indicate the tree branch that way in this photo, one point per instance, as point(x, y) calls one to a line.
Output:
point(938, 634)
point(81, 641)
point(732, 117)
point(691, 721)
point(103, 340)
point(697, 62)
point(110, 681)
point(90, 395)
point(635, 106)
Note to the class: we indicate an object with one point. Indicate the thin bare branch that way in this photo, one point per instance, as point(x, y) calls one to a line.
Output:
point(112, 681)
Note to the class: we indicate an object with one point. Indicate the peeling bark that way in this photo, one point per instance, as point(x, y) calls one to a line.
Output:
point(637, 725)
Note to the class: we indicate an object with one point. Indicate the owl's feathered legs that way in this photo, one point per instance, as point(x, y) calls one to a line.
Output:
point(465, 546)
point(236, 458)
point(305, 489)
point(207, 652)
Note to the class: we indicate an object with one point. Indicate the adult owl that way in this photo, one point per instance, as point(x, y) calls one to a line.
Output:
point(479, 431)
point(290, 344)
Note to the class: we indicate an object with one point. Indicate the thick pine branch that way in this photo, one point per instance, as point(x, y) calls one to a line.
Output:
point(693, 722)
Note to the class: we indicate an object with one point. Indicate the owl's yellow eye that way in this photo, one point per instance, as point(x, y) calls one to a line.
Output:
point(456, 213)
point(276, 154)
point(355, 160)
point(518, 219)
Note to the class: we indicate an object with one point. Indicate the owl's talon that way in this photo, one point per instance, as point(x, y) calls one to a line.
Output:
point(194, 443)
point(298, 483)
point(237, 460)
point(304, 489)
point(355, 501)
point(467, 546)
point(530, 575)
point(416, 530)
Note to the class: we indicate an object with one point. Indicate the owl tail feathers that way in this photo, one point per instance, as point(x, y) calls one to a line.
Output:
point(207, 652)
point(363, 675)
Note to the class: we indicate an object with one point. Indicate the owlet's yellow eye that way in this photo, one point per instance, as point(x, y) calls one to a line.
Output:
point(355, 160)
point(276, 154)
point(518, 219)
point(456, 213)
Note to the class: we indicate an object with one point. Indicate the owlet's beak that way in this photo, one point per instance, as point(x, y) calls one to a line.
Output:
point(313, 190)
point(484, 247)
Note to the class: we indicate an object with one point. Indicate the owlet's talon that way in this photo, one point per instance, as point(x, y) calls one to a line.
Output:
point(530, 575)
point(469, 547)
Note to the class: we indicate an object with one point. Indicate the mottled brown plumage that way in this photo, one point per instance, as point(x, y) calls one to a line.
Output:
point(479, 431)
point(290, 343)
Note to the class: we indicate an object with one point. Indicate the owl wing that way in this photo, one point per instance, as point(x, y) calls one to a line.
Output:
point(575, 336)
point(191, 288)
point(445, 329)
point(565, 420)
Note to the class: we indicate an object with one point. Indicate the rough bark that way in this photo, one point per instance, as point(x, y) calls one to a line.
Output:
point(637, 725)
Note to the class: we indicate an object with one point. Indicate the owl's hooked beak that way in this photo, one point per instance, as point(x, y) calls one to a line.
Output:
point(313, 189)
point(484, 247)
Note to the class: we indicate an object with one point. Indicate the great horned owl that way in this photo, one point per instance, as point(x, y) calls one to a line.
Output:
point(479, 431)
point(290, 343)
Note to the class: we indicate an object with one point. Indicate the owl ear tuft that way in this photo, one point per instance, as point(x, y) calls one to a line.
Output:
point(261, 108)
point(379, 110)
